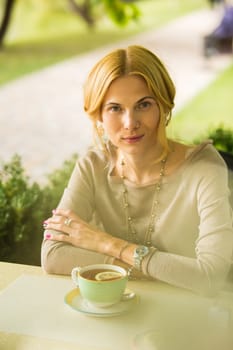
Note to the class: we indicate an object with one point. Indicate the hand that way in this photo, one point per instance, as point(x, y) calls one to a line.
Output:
point(73, 230)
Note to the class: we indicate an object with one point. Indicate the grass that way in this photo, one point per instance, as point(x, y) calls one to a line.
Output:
point(42, 33)
point(210, 109)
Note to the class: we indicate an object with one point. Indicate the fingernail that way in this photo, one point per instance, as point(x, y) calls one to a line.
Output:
point(54, 211)
point(48, 236)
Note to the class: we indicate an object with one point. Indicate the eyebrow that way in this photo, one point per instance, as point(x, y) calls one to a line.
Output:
point(139, 101)
point(144, 98)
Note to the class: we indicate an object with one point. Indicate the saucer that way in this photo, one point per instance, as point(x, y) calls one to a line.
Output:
point(76, 302)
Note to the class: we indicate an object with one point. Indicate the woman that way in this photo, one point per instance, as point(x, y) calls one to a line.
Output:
point(141, 200)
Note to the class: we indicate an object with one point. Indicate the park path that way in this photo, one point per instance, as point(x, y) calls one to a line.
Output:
point(41, 114)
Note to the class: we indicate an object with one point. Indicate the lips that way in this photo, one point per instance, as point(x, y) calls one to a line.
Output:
point(132, 139)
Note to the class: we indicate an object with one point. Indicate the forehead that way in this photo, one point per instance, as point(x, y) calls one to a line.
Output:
point(127, 87)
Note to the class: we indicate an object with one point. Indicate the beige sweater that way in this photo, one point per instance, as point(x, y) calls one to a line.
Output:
point(194, 233)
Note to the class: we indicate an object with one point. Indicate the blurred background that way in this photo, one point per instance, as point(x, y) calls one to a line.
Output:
point(47, 48)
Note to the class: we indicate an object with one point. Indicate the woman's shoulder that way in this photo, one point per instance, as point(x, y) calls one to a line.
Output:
point(187, 157)
point(92, 157)
point(94, 162)
point(205, 151)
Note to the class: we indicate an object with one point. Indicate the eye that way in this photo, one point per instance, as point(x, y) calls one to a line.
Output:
point(144, 105)
point(113, 108)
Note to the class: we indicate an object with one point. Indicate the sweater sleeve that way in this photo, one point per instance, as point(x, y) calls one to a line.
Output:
point(206, 272)
point(60, 257)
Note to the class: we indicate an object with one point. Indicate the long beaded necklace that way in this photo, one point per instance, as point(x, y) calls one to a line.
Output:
point(131, 233)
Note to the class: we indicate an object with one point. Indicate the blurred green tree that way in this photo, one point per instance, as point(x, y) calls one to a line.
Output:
point(119, 11)
point(6, 17)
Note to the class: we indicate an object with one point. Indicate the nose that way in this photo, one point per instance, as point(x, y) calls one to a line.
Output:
point(130, 122)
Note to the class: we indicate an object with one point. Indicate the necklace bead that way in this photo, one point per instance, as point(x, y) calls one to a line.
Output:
point(131, 233)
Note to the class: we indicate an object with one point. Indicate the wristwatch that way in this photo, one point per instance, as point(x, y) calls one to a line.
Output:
point(139, 253)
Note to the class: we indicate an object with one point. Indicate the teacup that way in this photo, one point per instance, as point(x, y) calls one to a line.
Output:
point(102, 285)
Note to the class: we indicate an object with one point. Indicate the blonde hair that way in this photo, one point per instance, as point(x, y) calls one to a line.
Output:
point(134, 60)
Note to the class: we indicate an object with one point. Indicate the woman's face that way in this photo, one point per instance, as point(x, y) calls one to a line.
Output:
point(130, 115)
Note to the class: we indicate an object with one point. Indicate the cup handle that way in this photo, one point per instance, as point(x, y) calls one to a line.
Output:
point(74, 274)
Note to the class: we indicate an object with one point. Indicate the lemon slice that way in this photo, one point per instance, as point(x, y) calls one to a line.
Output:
point(107, 275)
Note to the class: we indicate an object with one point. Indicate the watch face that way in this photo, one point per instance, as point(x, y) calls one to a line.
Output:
point(142, 250)
point(139, 254)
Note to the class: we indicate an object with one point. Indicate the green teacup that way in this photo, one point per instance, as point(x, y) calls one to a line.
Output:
point(101, 284)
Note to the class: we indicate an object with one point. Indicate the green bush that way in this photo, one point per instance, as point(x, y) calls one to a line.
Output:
point(57, 181)
point(23, 208)
point(20, 210)
point(222, 139)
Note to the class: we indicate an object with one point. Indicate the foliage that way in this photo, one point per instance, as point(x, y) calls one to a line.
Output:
point(45, 32)
point(92, 11)
point(24, 207)
point(118, 11)
point(121, 12)
point(57, 181)
point(20, 210)
point(222, 139)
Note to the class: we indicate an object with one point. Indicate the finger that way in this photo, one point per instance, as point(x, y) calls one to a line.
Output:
point(52, 219)
point(60, 226)
point(68, 214)
point(64, 212)
point(57, 237)
point(58, 219)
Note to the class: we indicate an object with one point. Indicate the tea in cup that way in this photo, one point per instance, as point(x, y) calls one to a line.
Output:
point(102, 285)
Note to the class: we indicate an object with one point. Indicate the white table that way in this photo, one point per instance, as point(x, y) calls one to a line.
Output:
point(173, 314)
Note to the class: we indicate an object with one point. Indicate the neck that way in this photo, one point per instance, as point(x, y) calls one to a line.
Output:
point(139, 170)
